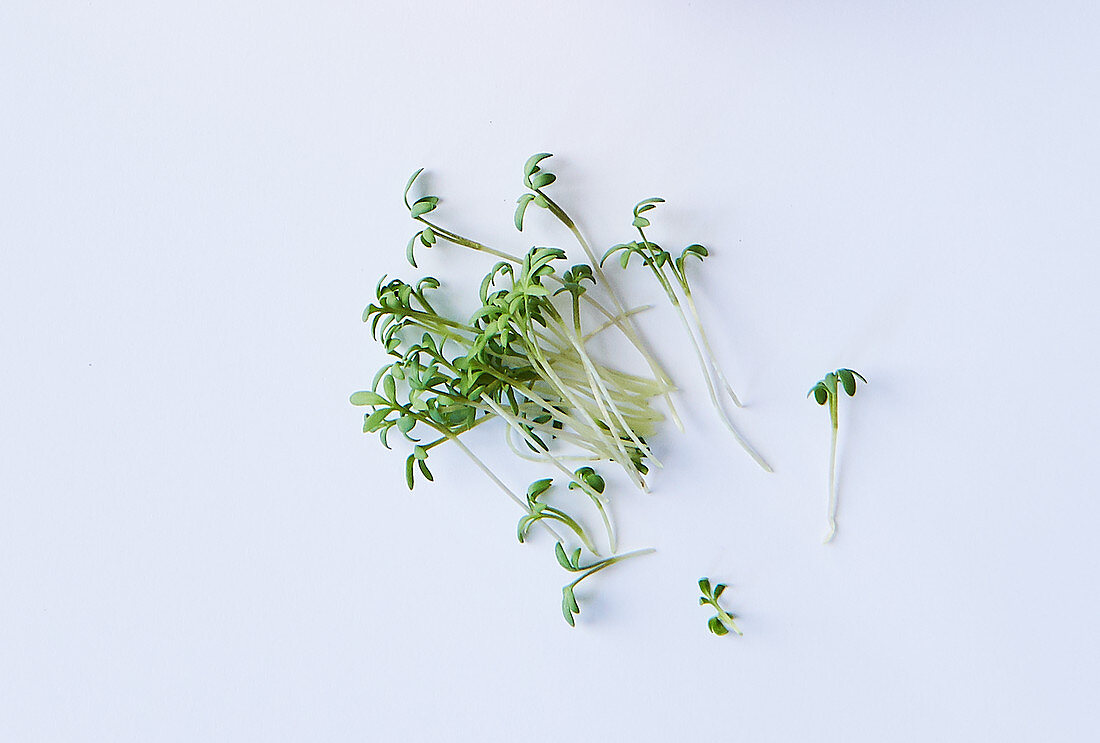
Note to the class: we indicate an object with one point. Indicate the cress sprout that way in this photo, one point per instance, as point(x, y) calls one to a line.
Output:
point(825, 392)
point(723, 622)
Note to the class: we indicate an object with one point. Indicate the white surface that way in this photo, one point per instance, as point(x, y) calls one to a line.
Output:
point(196, 543)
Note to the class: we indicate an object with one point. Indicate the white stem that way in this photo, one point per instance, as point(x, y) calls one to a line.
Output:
point(616, 320)
point(530, 456)
point(566, 392)
point(586, 436)
point(508, 491)
point(832, 491)
point(714, 396)
point(725, 618)
point(631, 394)
point(710, 352)
point(594, 379)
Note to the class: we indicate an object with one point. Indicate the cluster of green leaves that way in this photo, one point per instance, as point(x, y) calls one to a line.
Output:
point(723, 622)
point(536, 179)
point(653, 256)
point(418, 209)
point(520, 358)
point(826, 388)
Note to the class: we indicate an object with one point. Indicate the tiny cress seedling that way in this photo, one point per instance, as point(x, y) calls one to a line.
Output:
point(723, 622)
point(825, 392)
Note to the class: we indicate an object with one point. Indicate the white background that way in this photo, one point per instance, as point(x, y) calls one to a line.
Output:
point(197, 542)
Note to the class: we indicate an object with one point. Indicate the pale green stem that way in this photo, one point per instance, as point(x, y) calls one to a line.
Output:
point(614, 321)
point(714, 395)
point(615, 411)
point(508, 491)
point(832, 479)
point(534, 457)
point(598, 390)
point(608, 562)
point(725, 618)
point(551, 376)
point(710, 352)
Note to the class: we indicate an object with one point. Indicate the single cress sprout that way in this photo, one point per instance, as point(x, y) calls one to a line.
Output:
point(723, 622)
point(825, 392)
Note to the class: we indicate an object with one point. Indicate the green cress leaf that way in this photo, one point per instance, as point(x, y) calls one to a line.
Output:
point(542, 180)
point(521, 209)
point(848, 380)
point(531, 166)
point(538, 487)
point(372, 420)
point(595, 481)
point(563, 559)
point(408, 185)
point(699, 251)
point(569, 605)
point(366, 397)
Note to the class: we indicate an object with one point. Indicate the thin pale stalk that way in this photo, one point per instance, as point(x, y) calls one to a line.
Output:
point(530, 456)
point(710, 352)
point(609, 561)
point(614, 321)
point(832, 486)
point(566, 392)
point(508, 491)
point(714, 395)
point(594, 379)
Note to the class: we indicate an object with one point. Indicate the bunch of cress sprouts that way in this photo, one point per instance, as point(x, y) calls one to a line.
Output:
point(522, 358)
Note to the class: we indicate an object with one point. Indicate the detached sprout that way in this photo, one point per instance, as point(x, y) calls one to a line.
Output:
point(825, 391)
point(723, 622)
